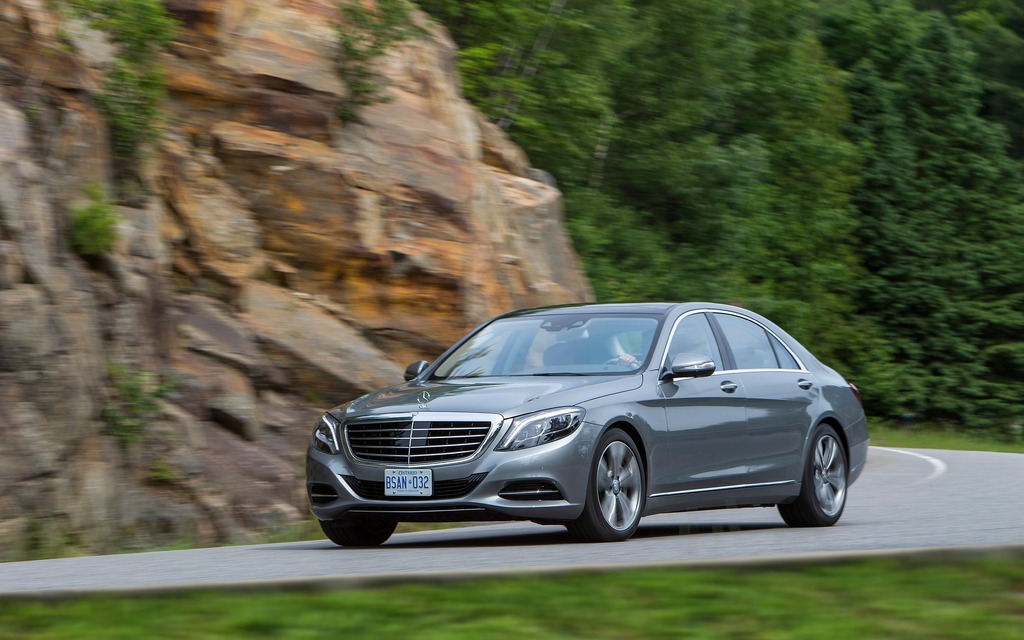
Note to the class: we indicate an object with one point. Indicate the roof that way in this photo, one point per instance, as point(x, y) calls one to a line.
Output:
point(654, 308)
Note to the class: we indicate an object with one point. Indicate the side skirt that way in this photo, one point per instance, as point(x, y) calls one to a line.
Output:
point(734, 497)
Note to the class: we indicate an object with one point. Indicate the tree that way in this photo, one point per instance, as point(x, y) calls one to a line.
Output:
point(537, 67)
point(364, 34)
point(995, 30)
point(729, 139)
point(941, 221)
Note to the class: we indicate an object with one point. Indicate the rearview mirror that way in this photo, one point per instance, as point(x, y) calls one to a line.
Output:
point(415, 369)
point(689, 365)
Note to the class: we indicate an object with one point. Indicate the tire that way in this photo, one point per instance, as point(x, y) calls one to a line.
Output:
point(616, 492)
point(823, 490)
point(358, 532)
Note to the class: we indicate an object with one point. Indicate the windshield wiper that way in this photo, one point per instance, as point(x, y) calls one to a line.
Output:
point(563, 373)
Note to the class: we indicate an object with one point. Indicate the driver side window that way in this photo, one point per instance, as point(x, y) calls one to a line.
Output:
point(693, 335)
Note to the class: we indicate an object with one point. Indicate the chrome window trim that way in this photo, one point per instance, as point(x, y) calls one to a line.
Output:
point(672, 333)
point(675, 325)
point(758, 371)
point(495, 419)
point(799, 362)
point(725, 488)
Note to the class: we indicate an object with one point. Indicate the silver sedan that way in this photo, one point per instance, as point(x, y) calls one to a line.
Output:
point(592, 416)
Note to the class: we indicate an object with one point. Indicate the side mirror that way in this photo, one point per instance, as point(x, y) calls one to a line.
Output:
point(689, 365)
point(415, 369)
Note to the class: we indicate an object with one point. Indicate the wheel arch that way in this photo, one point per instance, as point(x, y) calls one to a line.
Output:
point(633, 433)
point(834, 423)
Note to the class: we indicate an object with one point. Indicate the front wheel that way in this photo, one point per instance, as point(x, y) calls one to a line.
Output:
point(615, 492)
point(823, 492)
point(358, 532)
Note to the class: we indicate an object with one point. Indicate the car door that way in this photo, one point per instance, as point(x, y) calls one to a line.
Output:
point(705, 419)
point(780, 396)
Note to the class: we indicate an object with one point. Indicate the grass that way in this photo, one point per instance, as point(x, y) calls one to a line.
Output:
point(929, 436)
point(904, 598)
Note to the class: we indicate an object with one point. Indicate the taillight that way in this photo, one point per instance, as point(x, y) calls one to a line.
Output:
point(856, 392)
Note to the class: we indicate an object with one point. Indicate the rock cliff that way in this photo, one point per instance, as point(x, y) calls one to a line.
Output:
point(279, 262)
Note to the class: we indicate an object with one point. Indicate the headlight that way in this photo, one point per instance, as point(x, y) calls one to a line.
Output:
point(325, 438)
point(542, 427)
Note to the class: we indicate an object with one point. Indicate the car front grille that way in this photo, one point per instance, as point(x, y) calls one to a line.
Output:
point(443, 489)
point(416, 442)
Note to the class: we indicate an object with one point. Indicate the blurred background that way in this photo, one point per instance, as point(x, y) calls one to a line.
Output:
point(219, 218)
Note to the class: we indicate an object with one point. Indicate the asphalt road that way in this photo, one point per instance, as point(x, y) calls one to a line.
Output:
point(905, 499)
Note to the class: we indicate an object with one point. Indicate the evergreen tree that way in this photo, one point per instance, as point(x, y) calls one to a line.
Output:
point(995, 30)
point(941, 222)
point(729, 140)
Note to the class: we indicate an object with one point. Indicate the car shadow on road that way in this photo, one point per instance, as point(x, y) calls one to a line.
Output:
point(659, 530)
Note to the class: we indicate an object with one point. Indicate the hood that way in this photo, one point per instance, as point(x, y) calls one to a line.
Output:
point(509, 397)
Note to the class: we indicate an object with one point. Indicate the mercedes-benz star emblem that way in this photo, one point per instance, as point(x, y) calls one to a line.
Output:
point(423, 398)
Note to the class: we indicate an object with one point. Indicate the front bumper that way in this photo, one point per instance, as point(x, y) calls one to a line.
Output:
point(335, 482)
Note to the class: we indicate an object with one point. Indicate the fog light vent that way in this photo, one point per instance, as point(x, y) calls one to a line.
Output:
point(321, 493)
point(531, 490)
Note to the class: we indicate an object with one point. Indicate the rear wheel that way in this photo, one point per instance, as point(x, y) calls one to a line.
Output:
point(615, 492)
point(823, 492)
point(358, 532)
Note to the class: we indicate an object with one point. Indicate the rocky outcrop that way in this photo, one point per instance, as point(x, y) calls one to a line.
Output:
point(280, 262)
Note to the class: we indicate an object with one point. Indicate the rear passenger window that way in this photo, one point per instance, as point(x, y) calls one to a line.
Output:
point(749, 343)
point(786, 359)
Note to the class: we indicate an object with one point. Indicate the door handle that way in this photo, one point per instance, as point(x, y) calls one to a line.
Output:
point(804, 384)
point(729, 387)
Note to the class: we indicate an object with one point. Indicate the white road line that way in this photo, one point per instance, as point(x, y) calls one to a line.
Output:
point(938, 466)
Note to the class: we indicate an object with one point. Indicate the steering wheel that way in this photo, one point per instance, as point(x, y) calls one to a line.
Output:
point(619, 361)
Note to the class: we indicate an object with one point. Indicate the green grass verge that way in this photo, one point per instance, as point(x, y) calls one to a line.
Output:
point(880, 598)
point(937, 437)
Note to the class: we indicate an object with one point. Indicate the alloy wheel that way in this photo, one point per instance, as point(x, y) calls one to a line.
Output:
point(619, 486)
point(829, 475)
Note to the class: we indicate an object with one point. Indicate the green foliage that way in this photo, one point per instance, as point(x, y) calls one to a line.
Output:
point(161, 472)
point(364, 34)
point(854, 192)
point(995, 30)
point(697, 142)
point(539, 69)
point(625, 256)
point(133, 402)
point(941, 218)
point(133, 88)
point(94, 225)
point(730, 141)
point(131, 103)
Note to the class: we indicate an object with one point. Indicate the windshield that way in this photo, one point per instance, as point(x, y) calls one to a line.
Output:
point(570, 344)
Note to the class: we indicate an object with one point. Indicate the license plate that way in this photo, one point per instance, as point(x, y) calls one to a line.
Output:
point(408, 482)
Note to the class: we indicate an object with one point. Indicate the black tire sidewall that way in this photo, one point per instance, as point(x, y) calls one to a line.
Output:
point(592, 506)
point(358, 532)
point(819, 433)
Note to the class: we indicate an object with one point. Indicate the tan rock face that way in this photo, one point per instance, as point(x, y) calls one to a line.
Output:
point(395, 216)
point(223, 236)
point(283, 262)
